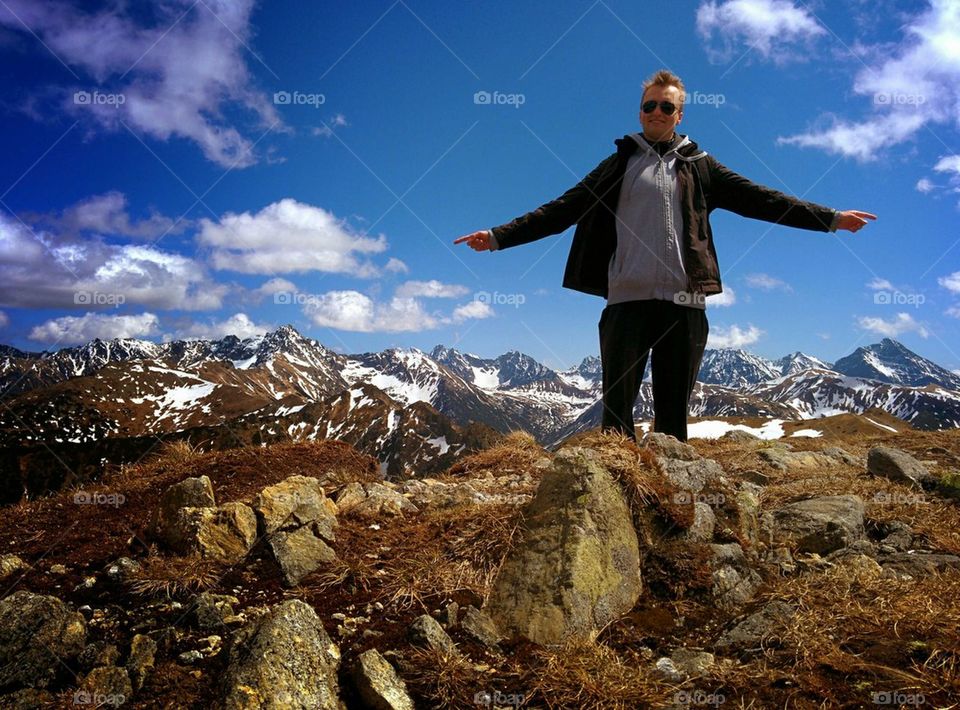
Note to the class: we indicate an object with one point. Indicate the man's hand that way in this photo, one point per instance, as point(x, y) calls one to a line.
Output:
point(854, 220)
point(480, 241)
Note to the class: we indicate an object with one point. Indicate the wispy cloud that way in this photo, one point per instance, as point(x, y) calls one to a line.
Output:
point(766, 282)
point(902, 323)
point(733, 336)
point(81, 329)
point(774, 29)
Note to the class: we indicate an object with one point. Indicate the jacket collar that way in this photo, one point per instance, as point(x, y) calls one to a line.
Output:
point(686, 149)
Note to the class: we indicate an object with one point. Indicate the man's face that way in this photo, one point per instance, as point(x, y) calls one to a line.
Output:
point(658, 126)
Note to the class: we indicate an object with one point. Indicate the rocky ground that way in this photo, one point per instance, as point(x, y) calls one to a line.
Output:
point(800, 573)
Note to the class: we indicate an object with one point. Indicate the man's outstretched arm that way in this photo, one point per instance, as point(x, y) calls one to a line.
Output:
point(550, 218)
point(733, 192)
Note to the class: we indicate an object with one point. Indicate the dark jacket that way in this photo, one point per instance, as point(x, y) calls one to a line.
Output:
point(705, 185)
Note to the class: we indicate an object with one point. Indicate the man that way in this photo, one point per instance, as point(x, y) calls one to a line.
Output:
point(643, 241)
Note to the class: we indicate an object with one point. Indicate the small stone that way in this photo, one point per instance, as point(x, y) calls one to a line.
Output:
point(109, 686)
point(143, 650)
point(377, 683)
point(426, 631)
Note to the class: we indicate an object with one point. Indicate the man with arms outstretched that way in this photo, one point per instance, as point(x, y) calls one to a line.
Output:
point(643, 242)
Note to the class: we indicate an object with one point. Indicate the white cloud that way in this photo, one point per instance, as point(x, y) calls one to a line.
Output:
point(878, 284)
point(396, 266)
point(766, 282)
point(238, 324)
point(903, 323)
point(327, 130)
point(288, 236)
point(472, 309)
point(953, 311)
point(924, 185)
point(948, 164)
point(354, 311)
point(733, 337)
point(82, 329)
point(909, 86)
point(773, 28)
point(274, 286)
point(4, 320)
point(40, 269)
point(951, 282)
point(430, 289)
point(178, 74)
point(727, 297)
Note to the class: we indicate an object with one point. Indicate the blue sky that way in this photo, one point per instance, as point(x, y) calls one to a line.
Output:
point(214, 167)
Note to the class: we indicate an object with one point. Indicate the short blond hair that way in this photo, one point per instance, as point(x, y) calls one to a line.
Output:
point(666, 78)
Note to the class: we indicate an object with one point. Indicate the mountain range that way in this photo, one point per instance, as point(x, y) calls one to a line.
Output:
point(120, 399)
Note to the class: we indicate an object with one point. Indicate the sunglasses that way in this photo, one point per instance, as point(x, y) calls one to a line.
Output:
point(665, 106)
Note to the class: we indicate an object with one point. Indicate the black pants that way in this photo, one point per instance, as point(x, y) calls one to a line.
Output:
point(677, 336)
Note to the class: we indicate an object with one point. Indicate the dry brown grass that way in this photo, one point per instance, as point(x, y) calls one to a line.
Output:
point(517, 452)
point(446, 681)
point(179, 451)
point(592, 676)
point(175, 577)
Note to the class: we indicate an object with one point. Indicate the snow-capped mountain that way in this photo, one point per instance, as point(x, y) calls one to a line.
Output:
point(890, 361)
point(735, 368)
point(411, 409)
point(798, 362)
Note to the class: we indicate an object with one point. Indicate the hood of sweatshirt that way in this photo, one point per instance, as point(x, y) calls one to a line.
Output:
point(686, 149)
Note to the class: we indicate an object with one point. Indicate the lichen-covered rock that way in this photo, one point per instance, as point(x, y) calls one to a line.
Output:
point(373, 501)
point(898, 466)
point(377, 683)
point(734, 581)
point(692, 475)
point(481, 627)
point(188, 493)
point(38, 633)
point(578, 566)
point(822, 524)
point(224, 533)
point(294, 502)
point(214, 611)
point(10, 565)
point(669, 447)
point(759, 629)
point(299, 552)
point(949, 485)
point(143, 650)
point(426, 631)
point(283, 660)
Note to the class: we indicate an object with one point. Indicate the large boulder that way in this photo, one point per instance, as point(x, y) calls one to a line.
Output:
point(38, 634)
point(373, 500)
point(283, 659)
point(898, 466)
point(821, 524)
point(299, 552)
point(578, 565)
point(225, 533)
point(692, 475)
point(295, 501)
